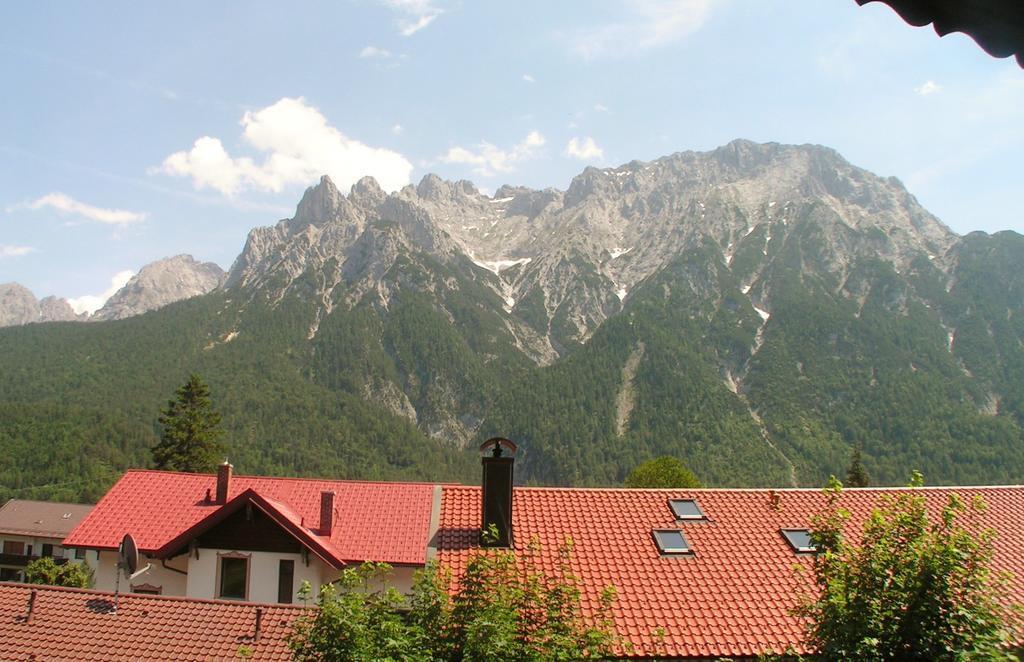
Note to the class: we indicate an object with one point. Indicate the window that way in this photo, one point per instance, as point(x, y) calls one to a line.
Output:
point(233, 583)
point(671, 541)
point(686, 509)
point(799, 540)
point(79, 553)
point(10, 575)
point(285, 581)
point(47, 549)
point(15, 547)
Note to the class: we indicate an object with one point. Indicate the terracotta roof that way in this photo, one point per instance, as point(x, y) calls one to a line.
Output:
point(76, 624)
point(373, 521)
point(733, 596)
point(44, 519)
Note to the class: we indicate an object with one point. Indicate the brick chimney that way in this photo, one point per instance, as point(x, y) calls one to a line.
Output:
point(497, 491)
point(223, 482)
point(326, 513)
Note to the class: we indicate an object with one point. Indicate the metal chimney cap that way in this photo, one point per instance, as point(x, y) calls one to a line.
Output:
point(499, 444)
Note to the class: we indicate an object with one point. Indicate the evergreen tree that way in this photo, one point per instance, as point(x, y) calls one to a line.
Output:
point(857, 475)
point(191, 437)
point(661, 472)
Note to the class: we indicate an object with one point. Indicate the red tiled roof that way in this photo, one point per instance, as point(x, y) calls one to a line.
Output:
point(387, 522)
point(734, 595)
point(76, 624)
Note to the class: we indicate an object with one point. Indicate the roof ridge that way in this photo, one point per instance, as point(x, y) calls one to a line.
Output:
point(293, 478)
point(140, 596)
point(755, 490)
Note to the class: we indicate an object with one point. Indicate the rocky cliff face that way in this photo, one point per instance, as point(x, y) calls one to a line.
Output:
point(564, 262)
point(19, 306)
point(161, 283)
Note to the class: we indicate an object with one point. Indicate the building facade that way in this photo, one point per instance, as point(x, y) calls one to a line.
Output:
point(30, 530)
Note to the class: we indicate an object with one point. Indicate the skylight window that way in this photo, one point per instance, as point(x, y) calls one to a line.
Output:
point(686, 509)
point(799, 540)
point(671, 541)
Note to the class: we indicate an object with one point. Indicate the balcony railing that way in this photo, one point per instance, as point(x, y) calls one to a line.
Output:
point(22, 560)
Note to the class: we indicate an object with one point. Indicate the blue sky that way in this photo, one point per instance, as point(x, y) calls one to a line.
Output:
point(132, 131)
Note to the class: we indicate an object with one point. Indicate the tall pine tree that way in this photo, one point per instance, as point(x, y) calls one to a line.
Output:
point(191, 436)
point(857, 475)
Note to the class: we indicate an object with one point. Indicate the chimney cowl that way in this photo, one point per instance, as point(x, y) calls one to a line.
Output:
point(496, 492)
point(223, 482)
point(326, 513)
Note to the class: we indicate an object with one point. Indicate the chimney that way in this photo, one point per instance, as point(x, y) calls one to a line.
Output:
point(497, 491)
point(326, 513)
point(223, 482)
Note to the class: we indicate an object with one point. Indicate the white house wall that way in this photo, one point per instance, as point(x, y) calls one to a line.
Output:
point(170, 582)
point(263, 574)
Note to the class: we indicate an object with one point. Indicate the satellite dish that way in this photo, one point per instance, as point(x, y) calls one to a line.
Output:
point(128, 555)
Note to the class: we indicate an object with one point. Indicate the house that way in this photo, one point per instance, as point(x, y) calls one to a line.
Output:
point(33, 529)
point(253, 538)
point(699, 573)
point(53, 623)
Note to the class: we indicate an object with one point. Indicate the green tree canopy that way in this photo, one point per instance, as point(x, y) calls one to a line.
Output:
point(47, 571)
point(661, 472)
point(191, 435)
point(912, 589)
point(504, 607)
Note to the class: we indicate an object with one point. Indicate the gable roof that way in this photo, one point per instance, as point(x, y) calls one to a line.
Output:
point(76, 624)
point(280, 513)
point(387, 522)
point(44, 519)
point(732, 597)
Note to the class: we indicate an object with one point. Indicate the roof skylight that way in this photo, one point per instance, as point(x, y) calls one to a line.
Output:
point(799, 540)
point(686, 509)
point(671, 541)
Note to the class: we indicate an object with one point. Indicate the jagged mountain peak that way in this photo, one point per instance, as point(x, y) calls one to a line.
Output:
point(161, 283)
point(319, 203)
point(18, 305)
point(577, 255)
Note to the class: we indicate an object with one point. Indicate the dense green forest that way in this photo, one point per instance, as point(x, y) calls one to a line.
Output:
point(864, 359)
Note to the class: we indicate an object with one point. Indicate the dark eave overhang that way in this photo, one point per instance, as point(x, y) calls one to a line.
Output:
point(996, 25)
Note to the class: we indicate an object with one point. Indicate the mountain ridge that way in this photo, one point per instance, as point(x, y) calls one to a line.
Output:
point(756, 310)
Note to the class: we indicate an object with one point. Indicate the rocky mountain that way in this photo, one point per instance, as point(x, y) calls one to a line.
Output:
point(19, 306)
point(156, 285)
point(161, 283)
point(758, 311)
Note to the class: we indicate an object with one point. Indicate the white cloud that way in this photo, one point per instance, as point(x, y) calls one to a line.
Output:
point(584, 149)
point(68, 205)
point(374, 52)
point(601, 108)
point(90, 303)
point(529, 79)
point(929, 87)
point(15, 251)
point(397, 129)
point(416, 14)
point(299, 146)
point(651, 24)
point(489, 159)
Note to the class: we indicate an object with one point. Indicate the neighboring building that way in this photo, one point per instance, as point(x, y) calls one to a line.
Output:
point(253, 538)
point(51, 623)
point(699, 573)
point(33, 529)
